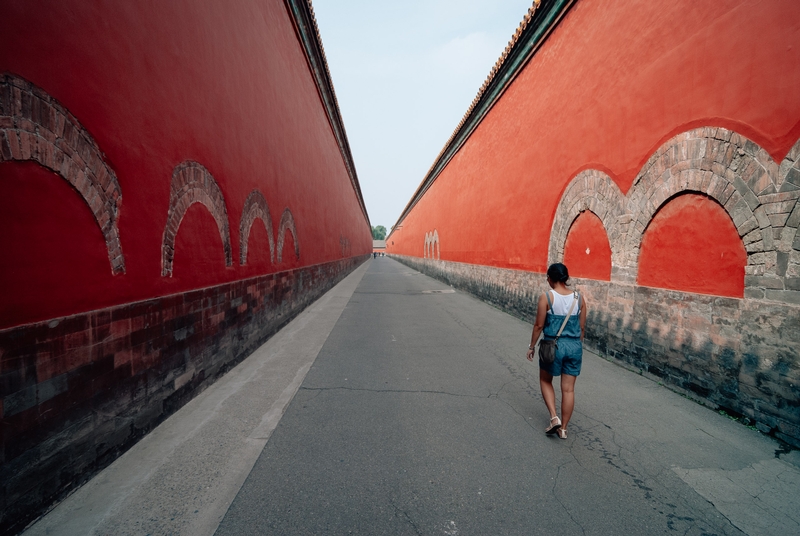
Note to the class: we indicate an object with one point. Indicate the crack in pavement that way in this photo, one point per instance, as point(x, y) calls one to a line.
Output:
point(524, 419)
point(610, 449)
point(654, 489)
point(497, 394)
point(402, 513)
point(557, 498)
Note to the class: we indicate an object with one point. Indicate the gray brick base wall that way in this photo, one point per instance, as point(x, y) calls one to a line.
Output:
point(742, 355)
point(76, 392)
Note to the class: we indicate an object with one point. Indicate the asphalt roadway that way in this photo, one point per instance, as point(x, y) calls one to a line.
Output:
point(409, 408)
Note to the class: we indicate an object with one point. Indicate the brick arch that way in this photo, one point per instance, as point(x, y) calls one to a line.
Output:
point(594, 191)
point(788, 243)
point(34, 126)
point(760, 197)
point(192, 183)
point(255, 207)
point(726, 167)
point(287, 223)
point(432, 249)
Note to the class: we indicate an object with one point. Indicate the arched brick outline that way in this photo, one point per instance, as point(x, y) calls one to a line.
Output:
point(740, 176)
point(255, 207)
point(431, 247)
point(787, 245)
point(287, 223)
point(594, 191)
point(34, 126)
point(760, 197)
point(192, 183)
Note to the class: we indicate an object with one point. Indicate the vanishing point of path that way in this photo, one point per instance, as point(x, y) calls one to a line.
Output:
point(396, 405)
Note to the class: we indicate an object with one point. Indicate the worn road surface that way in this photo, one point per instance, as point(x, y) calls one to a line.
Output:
point(400, 406)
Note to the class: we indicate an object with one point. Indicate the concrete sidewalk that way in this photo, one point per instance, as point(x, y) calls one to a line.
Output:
point(420, 415)
point(182, 477)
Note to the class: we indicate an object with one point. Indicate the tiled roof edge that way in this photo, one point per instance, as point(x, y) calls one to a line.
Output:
point(537, 24)
point(302, 14)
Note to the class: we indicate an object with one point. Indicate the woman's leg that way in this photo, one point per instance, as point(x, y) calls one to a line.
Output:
point(567, 398)
point(548, 393)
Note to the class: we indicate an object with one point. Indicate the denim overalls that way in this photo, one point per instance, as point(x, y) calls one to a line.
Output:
point(569, 353)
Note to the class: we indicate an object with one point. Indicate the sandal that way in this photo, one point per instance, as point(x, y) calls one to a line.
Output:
point(554, 426)
point(562, 433)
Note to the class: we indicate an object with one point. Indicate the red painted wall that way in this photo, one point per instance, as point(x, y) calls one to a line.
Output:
point(225, 84)
point(587, 252)
point(608, 87)
point(691, 244)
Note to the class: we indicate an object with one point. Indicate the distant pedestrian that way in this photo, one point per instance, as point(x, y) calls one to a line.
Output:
point(560, 309)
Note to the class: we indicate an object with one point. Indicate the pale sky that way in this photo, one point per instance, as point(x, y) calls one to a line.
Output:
point(404, 74)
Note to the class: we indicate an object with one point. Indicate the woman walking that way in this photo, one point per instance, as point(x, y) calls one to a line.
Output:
point(560, 309)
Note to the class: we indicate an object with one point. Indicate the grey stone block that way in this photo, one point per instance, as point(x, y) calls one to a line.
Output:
point(786, 296)
point(751, 200)
point(763, 428)
point(748, 226)
point(768, 259)
point(792, 283)
point(788, 187)
point(778, 220)
point(779, 207)
point(52, 387)
point(755, 247)
point(793, 176)
point(782, 264)
point(794, 218)
point(754, 269)
point(751, 237)
point(795, 442)
point(761, 216)
point(769, 241)
point(19, 401)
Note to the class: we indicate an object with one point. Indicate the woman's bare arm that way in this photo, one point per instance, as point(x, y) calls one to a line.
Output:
point(583, 317)
point(538, 326)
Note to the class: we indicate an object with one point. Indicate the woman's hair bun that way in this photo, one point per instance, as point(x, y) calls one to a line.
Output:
point(558, 273)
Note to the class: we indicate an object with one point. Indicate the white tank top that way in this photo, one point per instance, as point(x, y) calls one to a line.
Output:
point(561, 304)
